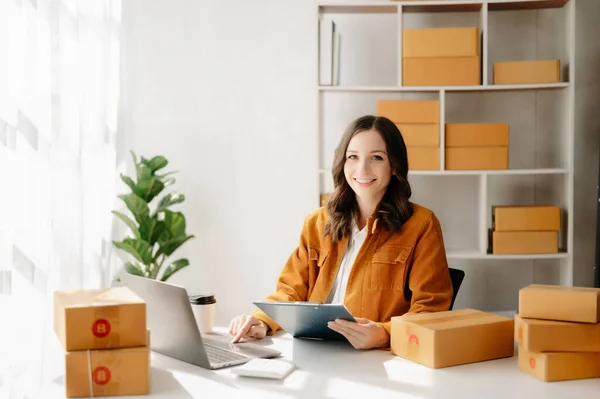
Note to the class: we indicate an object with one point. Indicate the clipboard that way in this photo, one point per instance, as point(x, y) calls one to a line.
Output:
point(306, 319)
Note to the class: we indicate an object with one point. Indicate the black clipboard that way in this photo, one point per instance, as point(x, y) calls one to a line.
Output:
point(306, 319)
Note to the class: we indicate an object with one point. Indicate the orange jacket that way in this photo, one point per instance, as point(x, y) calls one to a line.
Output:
point(386, 267)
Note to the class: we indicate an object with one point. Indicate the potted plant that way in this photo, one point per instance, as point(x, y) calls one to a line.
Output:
point(156, 230)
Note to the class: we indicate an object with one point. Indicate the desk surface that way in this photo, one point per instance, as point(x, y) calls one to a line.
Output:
point(336, 370)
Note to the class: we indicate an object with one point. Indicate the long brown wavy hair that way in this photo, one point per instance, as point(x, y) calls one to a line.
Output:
point(395, 208)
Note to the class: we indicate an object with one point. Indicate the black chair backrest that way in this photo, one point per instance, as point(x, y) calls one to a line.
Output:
point(457, 276)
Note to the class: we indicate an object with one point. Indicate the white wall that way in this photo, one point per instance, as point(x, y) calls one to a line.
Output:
point(226, 90)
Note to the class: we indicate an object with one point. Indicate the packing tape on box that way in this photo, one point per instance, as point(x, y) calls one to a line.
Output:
point(100, 376)
point(450, 318)
point(105, 327)
point(89, 362)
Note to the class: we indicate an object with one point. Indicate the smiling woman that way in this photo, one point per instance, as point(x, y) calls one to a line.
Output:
point(371, 248)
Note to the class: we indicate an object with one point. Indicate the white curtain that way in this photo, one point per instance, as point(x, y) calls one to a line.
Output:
point(59, 161)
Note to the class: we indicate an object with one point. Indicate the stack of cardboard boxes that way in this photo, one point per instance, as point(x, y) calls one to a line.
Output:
point(558, 332)
point(419, 123)
point(441, 57)
point(525, 229)
point(106, 341)
point(451, 338)
point(527, 72)
point(476, 146)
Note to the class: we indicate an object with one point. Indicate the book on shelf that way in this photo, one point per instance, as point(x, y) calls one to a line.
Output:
point(329, 50)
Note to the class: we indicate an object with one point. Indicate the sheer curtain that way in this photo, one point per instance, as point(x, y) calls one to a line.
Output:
point(59, 160)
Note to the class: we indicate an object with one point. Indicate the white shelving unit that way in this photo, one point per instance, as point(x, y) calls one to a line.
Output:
point(541, 116)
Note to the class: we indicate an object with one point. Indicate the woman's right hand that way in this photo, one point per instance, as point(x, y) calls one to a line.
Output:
point(247, 327)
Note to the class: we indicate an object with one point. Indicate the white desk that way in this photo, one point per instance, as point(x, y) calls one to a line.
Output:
point(336, 370)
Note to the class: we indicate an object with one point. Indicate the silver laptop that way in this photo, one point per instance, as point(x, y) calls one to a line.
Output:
point(174, 332)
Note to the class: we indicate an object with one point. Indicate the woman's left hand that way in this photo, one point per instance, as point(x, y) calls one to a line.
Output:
point(362, 334)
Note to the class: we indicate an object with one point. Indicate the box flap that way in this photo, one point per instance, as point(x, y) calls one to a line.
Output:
point(104, 297)
point(452, 319)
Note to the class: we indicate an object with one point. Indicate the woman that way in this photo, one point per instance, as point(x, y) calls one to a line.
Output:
point(370, 248)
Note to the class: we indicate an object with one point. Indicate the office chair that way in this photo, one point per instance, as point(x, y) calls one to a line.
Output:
point(457, 276)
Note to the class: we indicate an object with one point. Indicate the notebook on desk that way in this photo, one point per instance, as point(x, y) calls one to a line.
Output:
point(306, 319)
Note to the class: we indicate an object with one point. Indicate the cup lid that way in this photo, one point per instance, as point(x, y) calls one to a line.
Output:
point(202, 299)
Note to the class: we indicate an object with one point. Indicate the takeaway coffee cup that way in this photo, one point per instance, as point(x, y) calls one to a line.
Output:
point(203, 307)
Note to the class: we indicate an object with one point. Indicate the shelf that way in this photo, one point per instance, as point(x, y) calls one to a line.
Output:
point(542, 86)
point(507, 172)
point(437, 6)
point(474, 254)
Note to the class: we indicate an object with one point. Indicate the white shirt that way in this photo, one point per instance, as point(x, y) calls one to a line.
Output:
point(356, 240)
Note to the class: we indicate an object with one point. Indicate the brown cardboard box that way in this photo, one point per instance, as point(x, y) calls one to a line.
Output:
point(527, 72)
point(460, 71)
point(99, 319)
point(559, 366)
point(420, 135)
point(556, 336)
point(553, 302)
point(108, 372)
point(440, 42)
point(526, 218)
point(477, 134)
point(423, 158)
point(476, 158)
point(410, 111)
point(525, 242)
point(450, 338)
point(324, 199)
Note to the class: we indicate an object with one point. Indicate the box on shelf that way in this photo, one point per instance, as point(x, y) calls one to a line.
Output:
point(524, 242)
point(526, 218)
point(423, 158)
point(477, 135)
point(458, 71)
point(537, 335)
point(420, 135)
point(559, 366)
point(527, 72)
point(108, 372)
point(440, 42)
point(553, 302)
point(324, 199)
point(451, 338)
point(99, 319)
point(410, 111)
point(476, 158)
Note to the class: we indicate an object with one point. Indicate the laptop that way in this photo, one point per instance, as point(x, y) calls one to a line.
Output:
point(174, 331)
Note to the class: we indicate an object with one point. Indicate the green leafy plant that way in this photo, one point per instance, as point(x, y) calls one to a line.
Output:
point(156, 234)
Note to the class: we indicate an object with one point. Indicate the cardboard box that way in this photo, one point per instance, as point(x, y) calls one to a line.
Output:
point(324, 199)
point(423, 158)
point(420, 135)
point(476, 158)
point(525, 242)
point(99, 319)
point(526, 218)
point(556, 336)
point(410, 111)
point(450, 338)
point(559, 366)
point(108, 372)
point(463, 71)
point(553, 302)
point(477, 135)
point(440, 42)
point(527, 72)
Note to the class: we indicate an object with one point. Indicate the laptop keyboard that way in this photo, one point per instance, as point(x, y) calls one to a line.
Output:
point(219, 355)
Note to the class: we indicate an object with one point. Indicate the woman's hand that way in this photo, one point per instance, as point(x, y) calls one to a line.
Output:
point(364, 334)
point(247, 327)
